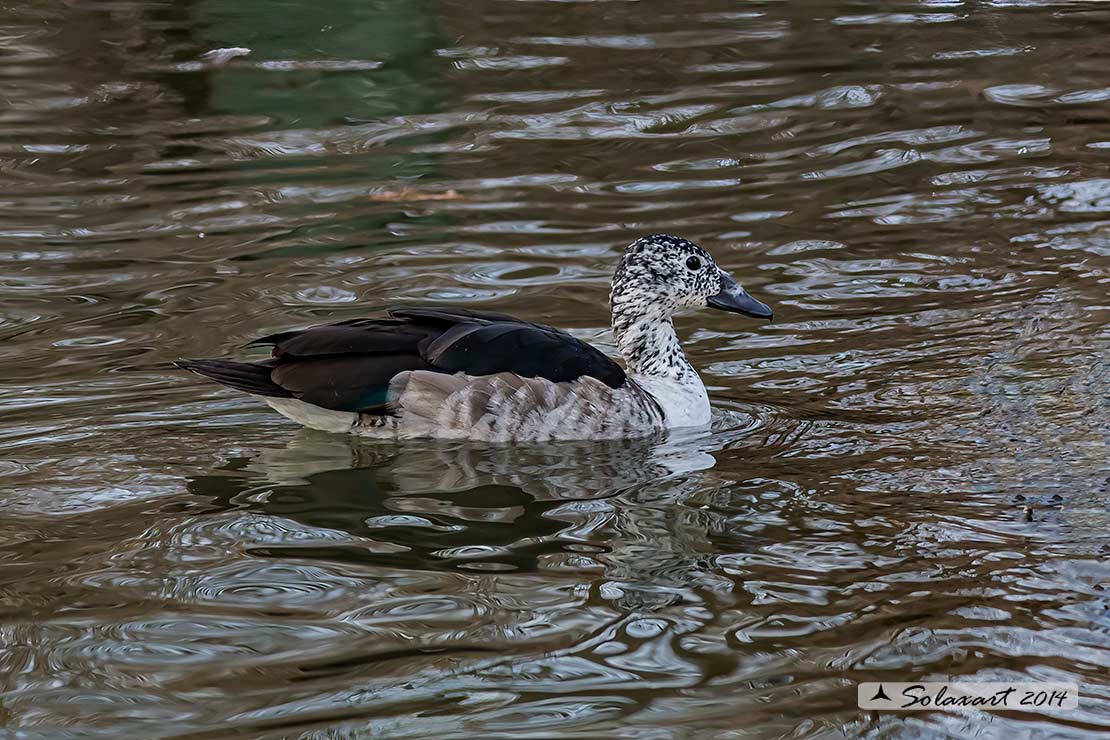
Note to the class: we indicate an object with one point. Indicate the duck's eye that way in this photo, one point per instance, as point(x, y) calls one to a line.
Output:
point(693, 263)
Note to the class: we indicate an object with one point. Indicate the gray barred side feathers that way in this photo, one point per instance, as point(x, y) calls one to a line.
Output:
point(505, 407)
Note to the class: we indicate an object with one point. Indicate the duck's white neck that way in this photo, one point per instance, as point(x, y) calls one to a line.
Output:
point(646, 338)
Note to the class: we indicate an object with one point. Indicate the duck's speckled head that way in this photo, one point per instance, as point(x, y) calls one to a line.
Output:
point(660, 273)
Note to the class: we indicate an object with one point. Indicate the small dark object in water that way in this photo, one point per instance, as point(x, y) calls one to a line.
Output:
point(1028, 513)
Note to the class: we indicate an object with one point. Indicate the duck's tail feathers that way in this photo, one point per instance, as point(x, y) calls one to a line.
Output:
point(249, 377)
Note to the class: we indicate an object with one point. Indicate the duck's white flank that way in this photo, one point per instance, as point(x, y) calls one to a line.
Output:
point(313, 417)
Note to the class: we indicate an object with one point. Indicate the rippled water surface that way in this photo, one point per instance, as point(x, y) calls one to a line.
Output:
point(920, 189)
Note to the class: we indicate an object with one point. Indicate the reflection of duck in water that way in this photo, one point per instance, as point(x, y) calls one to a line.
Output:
point(462, 374)
point(433, 504)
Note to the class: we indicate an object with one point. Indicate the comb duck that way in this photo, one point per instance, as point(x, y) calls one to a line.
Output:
point(465, 374)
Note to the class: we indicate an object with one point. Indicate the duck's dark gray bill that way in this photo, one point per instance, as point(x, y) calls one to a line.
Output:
point(735, 299)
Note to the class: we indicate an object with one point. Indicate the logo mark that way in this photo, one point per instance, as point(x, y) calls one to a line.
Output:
point(881, 695)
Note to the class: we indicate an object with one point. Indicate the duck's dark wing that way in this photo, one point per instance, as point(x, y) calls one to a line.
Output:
point(348, 366)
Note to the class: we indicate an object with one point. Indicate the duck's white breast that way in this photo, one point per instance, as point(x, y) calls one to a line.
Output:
point(684, 402)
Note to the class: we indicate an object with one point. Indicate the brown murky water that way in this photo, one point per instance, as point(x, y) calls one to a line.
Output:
point(920, 189)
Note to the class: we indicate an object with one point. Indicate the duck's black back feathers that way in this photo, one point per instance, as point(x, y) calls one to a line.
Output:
point(348, 366)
